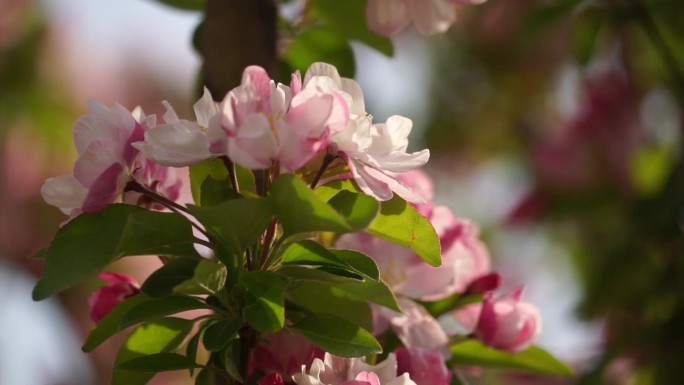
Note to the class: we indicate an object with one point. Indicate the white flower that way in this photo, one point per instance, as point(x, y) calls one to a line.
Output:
point(333, 370)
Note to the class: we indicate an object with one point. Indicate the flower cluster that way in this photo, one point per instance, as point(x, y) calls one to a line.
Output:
point(389, 17)
point(109, 169)
point(269, 245)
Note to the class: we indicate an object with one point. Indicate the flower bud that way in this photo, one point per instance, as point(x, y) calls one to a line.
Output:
point(507, 323)
point(118, 288)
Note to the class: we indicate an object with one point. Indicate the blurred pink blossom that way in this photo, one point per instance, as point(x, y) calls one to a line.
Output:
point(389, 17)
point(464, 258)
point(118, 287)
point(507, 323)
point(425, 367)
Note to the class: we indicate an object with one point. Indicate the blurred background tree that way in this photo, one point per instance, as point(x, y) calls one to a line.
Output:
point(556, 124)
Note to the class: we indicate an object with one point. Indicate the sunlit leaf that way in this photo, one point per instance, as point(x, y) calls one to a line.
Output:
point(400, 223)
point(160, 336)
point(534, 359)
point(265, 309)
point(337, 336)
point(87, 244)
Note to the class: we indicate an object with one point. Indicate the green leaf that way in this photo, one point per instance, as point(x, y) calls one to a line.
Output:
point(186, 5)
point(219, 334)
point(302, 273)
point(300, 210)
point(367, 289)
point(321, 44)
point(159, 336)
point(534, 359)
point(209, 277)
point(349, 19)
point(159, 362)
point(160, 307)
point(162, 282)
point(265, 309)
point(205, 377)
point(360, 262)
point(337, 336)
point(358, 209)
point(193, 345)
point(40, 254)
point(400, 223)
point(310, 253)
point(210, 168)
point(215, 192)
point(89, 243)
point(320, 297)
point(230, 358)
point(330, 189)
point(237, 223)
point(109, 325)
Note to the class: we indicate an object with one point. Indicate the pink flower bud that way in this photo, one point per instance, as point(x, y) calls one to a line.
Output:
point(483, 284)
point(507, 323)
point(425, 367)
point(271, 379)
point(119, 287)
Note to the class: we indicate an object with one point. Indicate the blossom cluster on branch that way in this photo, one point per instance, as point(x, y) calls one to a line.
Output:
point(324, 242)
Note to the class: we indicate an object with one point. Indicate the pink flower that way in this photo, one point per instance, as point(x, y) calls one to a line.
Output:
point(374, 153)
point(333, 370)
point(107, 162)
point(118, 288)
point(464, 259)
point(265, 122)
point(421, 183)
point(283, 352)
point(425, 367)
point(377, 153)
point(389, 17)
point(507, 323)
point(415, 327)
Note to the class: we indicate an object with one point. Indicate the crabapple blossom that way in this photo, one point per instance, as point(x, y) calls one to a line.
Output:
point(425, 367)
point(379, 155)
point(119, 287)
point(421, 183)
point(414, 326)
point(284, 353)
point(179, 142)
point(265, 122)
point(373, 152)
point(507, 323)
point(464, 259)
point(333, 370)
point(107, 162)
point(389, 17)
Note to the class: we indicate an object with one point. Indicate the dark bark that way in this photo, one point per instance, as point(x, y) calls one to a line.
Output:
point(236, 34)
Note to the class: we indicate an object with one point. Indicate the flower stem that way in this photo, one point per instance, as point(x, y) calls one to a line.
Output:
point(171, 205)
point(327, 160)
point(233, 176)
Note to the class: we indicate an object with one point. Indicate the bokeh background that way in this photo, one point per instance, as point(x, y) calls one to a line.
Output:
point(554, 124)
